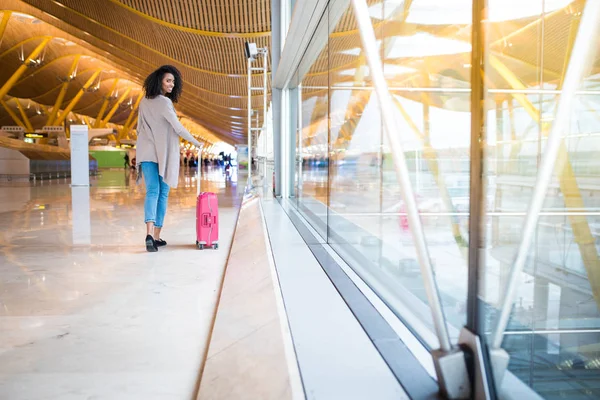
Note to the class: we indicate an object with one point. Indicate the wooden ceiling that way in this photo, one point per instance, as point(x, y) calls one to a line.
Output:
point(204, 39)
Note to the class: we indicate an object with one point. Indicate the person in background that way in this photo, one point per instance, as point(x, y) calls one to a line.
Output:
point(126, 160)
point(158, 131)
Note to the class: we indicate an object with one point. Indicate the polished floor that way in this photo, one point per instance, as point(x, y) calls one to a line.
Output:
point(85, 311)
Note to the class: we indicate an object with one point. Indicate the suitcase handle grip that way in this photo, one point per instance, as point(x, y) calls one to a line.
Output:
point(206, 220)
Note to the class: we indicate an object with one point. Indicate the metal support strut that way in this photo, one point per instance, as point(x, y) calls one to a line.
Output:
point(251, 58)
point(249, 122)
point(264, 133)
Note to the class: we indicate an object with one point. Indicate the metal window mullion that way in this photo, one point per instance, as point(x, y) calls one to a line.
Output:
point(483, 383)
point(361, 13)
point(476, 182)
point(299, 157)
point(264, 133)
point(284, 142)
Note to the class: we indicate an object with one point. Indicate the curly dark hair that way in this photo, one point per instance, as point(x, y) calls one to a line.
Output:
point(153, 83)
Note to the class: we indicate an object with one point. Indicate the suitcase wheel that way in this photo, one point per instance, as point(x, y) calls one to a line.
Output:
point(200, 246)
point(215, 246)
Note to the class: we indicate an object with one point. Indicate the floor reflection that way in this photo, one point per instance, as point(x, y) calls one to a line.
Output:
point(37, 213)
point(80, 202)
point(85, 311)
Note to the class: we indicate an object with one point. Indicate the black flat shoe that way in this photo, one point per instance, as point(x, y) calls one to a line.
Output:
point(151, 244)
point(160, 242)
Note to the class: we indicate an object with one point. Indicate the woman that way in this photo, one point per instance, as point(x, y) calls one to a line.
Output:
point(158, 148)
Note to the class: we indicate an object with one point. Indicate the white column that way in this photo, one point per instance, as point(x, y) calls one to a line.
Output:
point(80, 158)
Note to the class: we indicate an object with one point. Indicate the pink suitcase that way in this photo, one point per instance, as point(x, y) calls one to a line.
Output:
point(207, 218)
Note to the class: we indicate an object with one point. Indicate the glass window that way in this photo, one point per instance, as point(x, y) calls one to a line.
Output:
point(553, 332)
point(348, 186)
point(346, 183)
point(312, 142)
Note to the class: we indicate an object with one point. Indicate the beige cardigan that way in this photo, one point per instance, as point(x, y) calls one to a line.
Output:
point(158, 133)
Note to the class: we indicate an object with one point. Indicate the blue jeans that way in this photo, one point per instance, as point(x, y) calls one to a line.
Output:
point(157, 194)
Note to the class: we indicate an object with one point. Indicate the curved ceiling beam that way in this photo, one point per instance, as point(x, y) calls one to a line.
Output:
point(203, 101)
point(105, 104)
point(130, 122)
point(46, 65)
point(63, 92)
point(77, 97)
point(5, 18)
point(146, 62)
point(114, 109)
point(46, 93)
point(149, 48)
point(24, 115)
point(22, 42)
point(92, 104)
point(37, 70)
point(250, 35)
point(94, 50)
point(12, 114)
point(59, 85)
point(17, 74)
point(188, 83)
point(198, 102)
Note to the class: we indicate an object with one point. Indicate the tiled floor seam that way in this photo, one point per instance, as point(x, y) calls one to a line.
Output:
point(216, 308)
point(247, 335)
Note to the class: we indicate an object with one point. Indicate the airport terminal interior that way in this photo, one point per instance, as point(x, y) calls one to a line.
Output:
point(408, 191)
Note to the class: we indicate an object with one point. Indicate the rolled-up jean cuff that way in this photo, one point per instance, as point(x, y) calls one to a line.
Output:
point(149, 220)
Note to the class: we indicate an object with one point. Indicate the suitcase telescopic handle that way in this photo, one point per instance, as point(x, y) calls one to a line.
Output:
point(198, 171)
